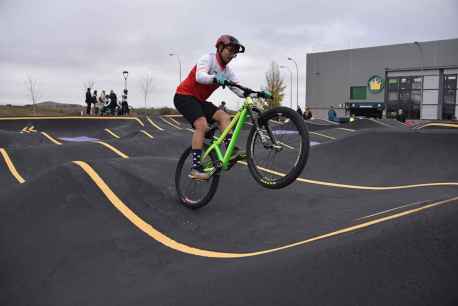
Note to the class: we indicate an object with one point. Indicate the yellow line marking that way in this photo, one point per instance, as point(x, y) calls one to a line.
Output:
point(51, 139)
point(439, 124)
point(11, 166)
point(442, 184)
point(370, 188)
point(322, 135)
point(170, 123)
point(154, 124)
point(348, 130)
point(147, 134)
point(191, 130)
point(174, 116)
point(112, 149)
point(140, 121)
point(28, 129)
point(73, 117)
point(181, 247)
point(170, 118)
point(112, 134)
point(393, 209)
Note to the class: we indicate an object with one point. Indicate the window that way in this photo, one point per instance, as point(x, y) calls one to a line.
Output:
point(358, 93)
point(416, 96)
point(404, 96)
point(405, 93)
point(405, 83)
point(393, 96)
point(449, 96)
point(393, 84)
point(393, 89)
point(450, 81)
point(417, 83)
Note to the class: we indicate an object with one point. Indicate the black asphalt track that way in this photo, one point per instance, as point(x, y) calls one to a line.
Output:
point(63, 241)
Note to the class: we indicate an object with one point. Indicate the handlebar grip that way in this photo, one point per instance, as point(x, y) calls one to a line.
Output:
point(265, 95)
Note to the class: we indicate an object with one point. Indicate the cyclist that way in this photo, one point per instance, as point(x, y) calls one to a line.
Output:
point(210, 72)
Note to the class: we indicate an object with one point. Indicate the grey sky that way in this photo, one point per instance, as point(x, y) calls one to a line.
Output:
point(63, 44)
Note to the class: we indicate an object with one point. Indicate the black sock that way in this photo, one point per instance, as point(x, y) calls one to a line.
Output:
point(196, 154)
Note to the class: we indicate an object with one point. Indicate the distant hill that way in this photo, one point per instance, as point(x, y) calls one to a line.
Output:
point(46, 108)
point(52, 104)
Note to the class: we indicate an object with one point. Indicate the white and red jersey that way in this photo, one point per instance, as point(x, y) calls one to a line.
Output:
point(200, 81)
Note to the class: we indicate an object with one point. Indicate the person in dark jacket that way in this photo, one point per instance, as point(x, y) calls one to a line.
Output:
point(124, 104)
point(400, 116)
point(94, 101)
point(88, 101)
point(114, 102)
point(307, 113)
point(299, 110)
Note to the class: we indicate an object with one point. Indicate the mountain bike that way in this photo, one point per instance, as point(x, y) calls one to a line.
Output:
point(277, 148)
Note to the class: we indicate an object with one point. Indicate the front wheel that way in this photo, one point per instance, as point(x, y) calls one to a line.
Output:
point(278, 150)
point(194, 193)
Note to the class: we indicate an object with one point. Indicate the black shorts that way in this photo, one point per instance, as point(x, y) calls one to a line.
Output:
point(192, 109)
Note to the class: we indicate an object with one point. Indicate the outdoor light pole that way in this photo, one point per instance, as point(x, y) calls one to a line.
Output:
point(125, 73)
point(179, 62)
point(290, 85)
point(297, 81)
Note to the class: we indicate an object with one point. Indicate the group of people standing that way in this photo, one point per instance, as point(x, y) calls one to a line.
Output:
point(306, 115)
point(106, 104)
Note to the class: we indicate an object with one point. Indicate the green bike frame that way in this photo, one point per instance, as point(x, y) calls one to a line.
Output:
point(238, 121)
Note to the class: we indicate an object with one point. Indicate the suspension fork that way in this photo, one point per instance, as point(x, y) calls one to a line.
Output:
point(258, 126)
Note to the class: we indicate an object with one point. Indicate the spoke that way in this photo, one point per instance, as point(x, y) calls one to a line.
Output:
point(286, 135)
point(285, 145)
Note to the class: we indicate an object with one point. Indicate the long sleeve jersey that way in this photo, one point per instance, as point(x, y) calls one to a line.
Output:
point(200, 81)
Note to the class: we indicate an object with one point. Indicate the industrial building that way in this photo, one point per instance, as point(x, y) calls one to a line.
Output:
point(420, 78)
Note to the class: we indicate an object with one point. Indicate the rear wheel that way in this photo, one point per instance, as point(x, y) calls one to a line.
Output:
point(195, 193)
point(278, 151)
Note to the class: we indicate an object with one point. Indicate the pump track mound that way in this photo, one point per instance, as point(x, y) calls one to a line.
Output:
point(89, 216)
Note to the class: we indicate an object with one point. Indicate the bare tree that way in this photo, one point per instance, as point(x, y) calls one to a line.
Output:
point(32, 89)
point(275, 85)
point(89, 84)
point(146, 85)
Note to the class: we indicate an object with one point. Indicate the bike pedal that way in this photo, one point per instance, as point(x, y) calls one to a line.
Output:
point(240, 157)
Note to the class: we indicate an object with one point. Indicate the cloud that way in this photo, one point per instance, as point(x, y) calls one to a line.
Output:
point(66, 43)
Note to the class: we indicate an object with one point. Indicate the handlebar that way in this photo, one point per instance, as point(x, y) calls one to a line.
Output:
point(247, 91)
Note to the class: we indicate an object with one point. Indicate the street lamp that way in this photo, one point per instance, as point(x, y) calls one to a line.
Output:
point(290, 85)
point(297, 81)
point(179, 62)
point(125, 73)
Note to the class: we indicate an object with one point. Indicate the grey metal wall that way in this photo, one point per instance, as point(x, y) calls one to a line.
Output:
point(331, 74)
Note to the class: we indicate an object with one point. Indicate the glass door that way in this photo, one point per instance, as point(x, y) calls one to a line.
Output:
point(449, 97)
